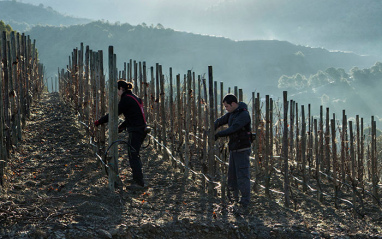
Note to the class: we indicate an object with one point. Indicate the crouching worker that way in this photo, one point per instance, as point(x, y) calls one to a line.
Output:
point(239, 132)
point(131, 107)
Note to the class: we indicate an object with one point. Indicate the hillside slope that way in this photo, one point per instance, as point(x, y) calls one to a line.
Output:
point(23, 16)
point(54, 189)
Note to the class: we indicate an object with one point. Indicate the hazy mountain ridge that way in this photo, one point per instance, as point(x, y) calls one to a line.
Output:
point(257, 64)
point(23, 16)
point(347, 25)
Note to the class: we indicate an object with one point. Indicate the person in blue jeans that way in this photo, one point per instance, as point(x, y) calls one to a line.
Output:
point(239, 133)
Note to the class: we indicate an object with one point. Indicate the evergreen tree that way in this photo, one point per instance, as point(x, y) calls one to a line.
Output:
point(5, 27)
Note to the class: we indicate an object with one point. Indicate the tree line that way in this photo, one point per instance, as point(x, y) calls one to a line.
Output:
point(356, 90)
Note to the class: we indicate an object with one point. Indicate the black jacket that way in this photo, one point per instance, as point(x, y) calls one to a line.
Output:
point(127, 106)
point(239, 127)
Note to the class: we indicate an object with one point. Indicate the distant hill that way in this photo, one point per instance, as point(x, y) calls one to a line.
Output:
point(345, 25)
point(23, 16)
point(256, 65)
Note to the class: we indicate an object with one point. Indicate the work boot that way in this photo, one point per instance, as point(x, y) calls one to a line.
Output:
point(240, 210)
point(234, 197)
point(135, 184)
point(140, 182)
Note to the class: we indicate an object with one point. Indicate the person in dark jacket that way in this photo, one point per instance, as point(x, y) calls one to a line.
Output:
point(239, 133)
point(131, 107)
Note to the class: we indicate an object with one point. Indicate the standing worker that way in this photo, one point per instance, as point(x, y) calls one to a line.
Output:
point(239, 132)
point(131, 107)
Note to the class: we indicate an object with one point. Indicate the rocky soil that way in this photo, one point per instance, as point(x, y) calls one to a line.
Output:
point(55, 188)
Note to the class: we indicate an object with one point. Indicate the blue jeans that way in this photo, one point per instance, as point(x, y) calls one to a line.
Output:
point(239, 175)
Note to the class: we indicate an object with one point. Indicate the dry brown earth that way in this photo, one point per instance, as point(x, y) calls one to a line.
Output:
point(55, 189)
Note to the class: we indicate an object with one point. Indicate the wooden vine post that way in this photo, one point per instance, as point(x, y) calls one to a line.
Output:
point(16, 55)
point(318, 158)
point(205, 134)
point(310, 142)
point(7, 117)
point(187, 118)
point(211, 136)
point(360, 152)
point(179, 109)
point(303, 148)
point(271, 136)
point(285, 150)
point(343, 146)
point(81, 80)
point(374, 162)
point(256, 117)
point(320, 152)
point(353, 167)
point(2, 145)
point(334, 155)
point(157, 127)
point(292, 151)
point(297, 140)
point(11, 97)
point(87, 88)
point(267, 165)
point(327, 142)
point(223, 153)
point(103, 101)
point(162, 112)
point(27, 78)
point(113, 120)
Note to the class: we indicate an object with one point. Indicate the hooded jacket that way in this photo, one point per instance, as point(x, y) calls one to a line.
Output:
point(239, 127)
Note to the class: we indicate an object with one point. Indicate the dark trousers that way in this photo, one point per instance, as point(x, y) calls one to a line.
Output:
point(239, 175)
point(136, 140)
